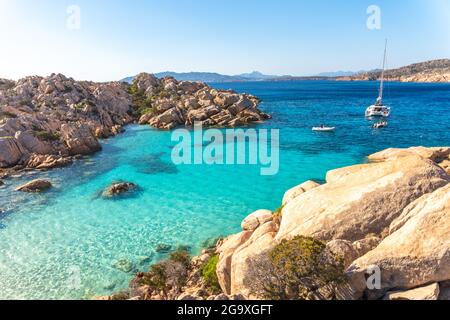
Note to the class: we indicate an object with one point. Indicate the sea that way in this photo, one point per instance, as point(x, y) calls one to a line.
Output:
point(72, 243)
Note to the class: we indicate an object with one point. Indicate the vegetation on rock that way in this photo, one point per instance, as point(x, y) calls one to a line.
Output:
point(209, 275)
point(169, 275)
point(297, 269)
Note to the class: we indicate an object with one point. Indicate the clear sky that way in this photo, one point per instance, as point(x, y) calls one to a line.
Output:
point(118, 38)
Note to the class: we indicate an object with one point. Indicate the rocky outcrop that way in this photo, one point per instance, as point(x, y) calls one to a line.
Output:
point(117, 189)
point(167, 104)
point(401, 196)
point(360, 200)
point(391, 215)
point(44, 121)
point(430, 292)
point(298, 190)
point(417, 250)
point(35, 186)
point(430, 71)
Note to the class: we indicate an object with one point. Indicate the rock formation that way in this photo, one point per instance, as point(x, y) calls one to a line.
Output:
point(35, 186)
point(118, 189)
point(45, 122)
point(430, 71)
point(167, 104)
point(375, 214)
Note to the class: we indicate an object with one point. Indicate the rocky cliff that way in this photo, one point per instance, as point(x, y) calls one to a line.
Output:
point(392, 214)
point(45, 122)
point(167, 104)
point(430, 71)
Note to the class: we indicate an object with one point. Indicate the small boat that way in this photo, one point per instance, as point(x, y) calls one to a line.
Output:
point(381, 124)
point(379, 109)
point(323, 128)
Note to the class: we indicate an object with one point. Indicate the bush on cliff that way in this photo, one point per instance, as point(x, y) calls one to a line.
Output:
point(209, 275)
point(141, 103)
point(169, 275)
point(46, 136)
point(298, 269)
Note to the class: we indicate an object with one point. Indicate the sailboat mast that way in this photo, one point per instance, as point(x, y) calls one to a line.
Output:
point(382, 73)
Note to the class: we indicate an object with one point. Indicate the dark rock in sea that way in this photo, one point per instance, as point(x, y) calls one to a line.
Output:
point(145, 260)
point(120, 188)
point(35, 186)
point(211, 242)
point(124, 265)
point(154, 164)
point(185, 248)
point(110, 286)
point(1, 183)
point(163, 248)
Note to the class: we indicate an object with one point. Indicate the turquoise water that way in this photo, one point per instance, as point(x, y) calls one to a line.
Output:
point(65, 244)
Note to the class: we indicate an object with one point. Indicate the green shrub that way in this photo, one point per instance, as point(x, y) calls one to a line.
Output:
point(6, 114)
point(277, 215)
point(169, 274)
point(209, 275)
point(140, 102)
point(46, 136)
point(181, 256)
point(120, 296)
point(296, 269)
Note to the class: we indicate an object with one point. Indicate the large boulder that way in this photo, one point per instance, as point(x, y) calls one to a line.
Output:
point(416, 252)
point(11, 151)
point(33, 144)
point(244, 258)
point(35, 186)
point(118, 189)
point(257, 218)
point(298, 190)
point(226, 250)
point(430, 292)
point(360, 200)
point(79, 139)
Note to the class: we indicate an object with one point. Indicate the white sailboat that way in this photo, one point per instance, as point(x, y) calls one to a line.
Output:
point(379, 109)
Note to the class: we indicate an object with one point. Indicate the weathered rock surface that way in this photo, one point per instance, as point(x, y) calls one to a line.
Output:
point(430, 292)
point(60, 117)
point(298, 190)
point(57, 117)
point(416, 252)
point(360, 200)
point(117, 189)
point(169, 104)
point(257, 218)
point(35, 186)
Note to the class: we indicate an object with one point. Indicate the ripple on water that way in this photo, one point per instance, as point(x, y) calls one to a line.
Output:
point(64, 245)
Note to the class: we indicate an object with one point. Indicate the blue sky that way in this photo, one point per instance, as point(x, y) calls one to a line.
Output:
point(298, 37)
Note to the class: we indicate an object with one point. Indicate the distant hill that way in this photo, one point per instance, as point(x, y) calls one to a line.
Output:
point(210, 77)
point(429, 71)
point(338, 74)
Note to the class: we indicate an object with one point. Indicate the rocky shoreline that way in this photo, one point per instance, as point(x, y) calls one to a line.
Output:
point(390, 215)
point(48, 122)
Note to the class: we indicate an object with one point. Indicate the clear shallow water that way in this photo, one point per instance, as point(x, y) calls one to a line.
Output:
point(47, 240)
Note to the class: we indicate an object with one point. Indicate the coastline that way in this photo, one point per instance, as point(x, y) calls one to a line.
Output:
point(352, 235)
point(298, 138)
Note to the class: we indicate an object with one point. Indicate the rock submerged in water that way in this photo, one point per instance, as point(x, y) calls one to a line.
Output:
point(35, 186)
point(118, 189)
point(163, 248)
point(124, 265)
